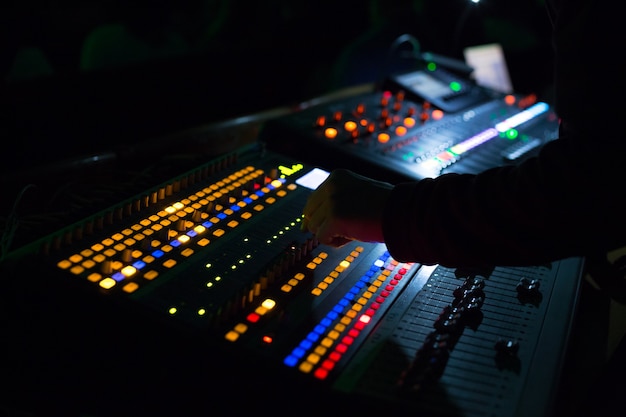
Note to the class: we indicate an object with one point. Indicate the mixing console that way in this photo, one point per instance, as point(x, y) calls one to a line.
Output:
point(218, 252)
point(400, 138)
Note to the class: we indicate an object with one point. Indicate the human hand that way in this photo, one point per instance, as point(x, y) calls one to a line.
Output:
point(346, 206)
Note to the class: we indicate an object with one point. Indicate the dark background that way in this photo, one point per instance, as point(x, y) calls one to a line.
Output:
point(92, 76)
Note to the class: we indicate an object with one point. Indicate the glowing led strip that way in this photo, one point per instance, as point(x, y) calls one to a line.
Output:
point(451, 154)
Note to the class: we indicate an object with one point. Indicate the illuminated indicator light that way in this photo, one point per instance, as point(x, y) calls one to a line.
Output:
point(241, 328)
point(509, 99)
point(409, 122)
point(107, 283)
point(253, 317)
point(512, 133)
point(350, 126)
point(313, 358)
point(522, 117)
point(173, 310)
point(359, 325)
point(76, 258)
point(130, 287)
point(95, 277)
point(353, 333)
point(288, 288)
point(330, 133)
point(231, 336)
point(64, 264)
point(437, 114)
point(170, 263)
point(328, 365)
point(305, 367)
point(320, 350)
point(129, 271)
point(401, 130)
point(150, 275)
point(383, 137)
point(311, 265)
point(267, 339)
point(201, 312)
point(341, 348)
point(431, 66)
point(183, 238)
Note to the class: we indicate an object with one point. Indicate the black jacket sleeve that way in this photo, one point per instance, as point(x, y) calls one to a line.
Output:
point(567, 201)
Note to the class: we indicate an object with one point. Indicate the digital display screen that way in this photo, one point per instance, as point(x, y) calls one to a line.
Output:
point(424, 84)
point(313, 178)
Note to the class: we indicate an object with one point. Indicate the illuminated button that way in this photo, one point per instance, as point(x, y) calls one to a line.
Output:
point(437, 114)
point(64, 264)
point(170, 263)
point(130, 287)
point(232, 336)
point(150, 275)
point(129, 270)
point(401, 130)
point(94, 277)
point(350, 126)
point(330, 133)
point(107, 283)
point(383, 137)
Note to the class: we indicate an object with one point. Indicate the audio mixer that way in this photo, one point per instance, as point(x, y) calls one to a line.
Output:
point(217, 254)
point(401, 138)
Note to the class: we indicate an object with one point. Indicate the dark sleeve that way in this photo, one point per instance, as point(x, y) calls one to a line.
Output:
point(567, 201)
